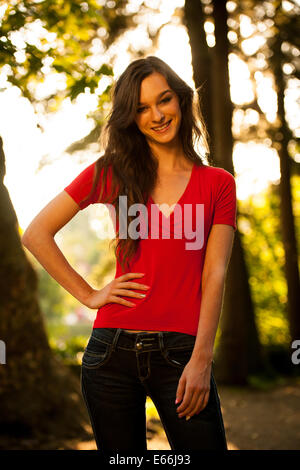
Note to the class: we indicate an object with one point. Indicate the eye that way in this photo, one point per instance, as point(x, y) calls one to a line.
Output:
point(165, 100)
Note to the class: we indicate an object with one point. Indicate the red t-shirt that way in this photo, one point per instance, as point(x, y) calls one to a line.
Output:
point(170, 253)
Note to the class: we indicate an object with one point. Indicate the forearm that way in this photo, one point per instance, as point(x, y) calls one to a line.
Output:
point(210, 311)
point(44, 248)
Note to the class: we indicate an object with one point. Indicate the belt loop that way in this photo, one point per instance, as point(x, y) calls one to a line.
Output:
point(115, 340)
point(161, 341)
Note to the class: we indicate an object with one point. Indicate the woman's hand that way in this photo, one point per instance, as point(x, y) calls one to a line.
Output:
point(193, 388)
point(119, 286)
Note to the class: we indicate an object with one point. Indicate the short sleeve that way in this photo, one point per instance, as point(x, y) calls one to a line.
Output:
point(81, 187)
point(225, 203)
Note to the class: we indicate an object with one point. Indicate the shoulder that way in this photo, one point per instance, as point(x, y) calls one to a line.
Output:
point(215, 173)
point(214, 177)
point(215, 181)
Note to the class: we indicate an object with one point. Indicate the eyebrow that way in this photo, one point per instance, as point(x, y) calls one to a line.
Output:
point(159, 96)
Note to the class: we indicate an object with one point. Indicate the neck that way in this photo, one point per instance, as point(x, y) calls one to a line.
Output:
point(170, 156)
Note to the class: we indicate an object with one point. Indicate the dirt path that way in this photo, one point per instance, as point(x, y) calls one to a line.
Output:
point(262, 420)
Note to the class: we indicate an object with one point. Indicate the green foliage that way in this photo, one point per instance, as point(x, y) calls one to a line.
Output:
point(262, 242)
point(70, 350)
point(55, 302)
point(264, 382)
point(64, 31)
point(51, 296)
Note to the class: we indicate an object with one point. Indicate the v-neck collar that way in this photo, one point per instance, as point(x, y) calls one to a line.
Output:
point(179, 200)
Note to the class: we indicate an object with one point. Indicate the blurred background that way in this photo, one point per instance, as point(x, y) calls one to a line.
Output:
point(58, 61)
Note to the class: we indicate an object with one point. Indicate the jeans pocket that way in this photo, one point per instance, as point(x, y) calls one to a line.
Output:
point(96, 354)
point(179, 357)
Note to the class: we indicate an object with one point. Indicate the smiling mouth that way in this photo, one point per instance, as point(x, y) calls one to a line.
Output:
point(162, 128)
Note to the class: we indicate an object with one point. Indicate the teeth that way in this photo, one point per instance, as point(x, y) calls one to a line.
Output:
point(160, 128)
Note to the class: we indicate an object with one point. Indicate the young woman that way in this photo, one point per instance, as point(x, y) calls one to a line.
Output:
point(157, 319)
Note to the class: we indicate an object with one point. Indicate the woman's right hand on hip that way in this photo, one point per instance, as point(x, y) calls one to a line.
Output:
point(120, 286)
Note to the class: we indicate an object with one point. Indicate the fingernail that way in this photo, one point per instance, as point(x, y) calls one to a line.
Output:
point(142, 295)
point(176, 401)
point(187, 418)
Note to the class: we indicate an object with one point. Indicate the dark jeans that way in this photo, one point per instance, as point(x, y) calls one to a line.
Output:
point(119, 370)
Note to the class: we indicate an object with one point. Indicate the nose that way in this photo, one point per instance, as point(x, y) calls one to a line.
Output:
point(157, 115)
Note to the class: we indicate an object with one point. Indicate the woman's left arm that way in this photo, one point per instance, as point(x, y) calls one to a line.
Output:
point(194, 384)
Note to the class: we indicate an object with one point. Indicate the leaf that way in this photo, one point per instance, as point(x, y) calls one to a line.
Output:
point(105, 70)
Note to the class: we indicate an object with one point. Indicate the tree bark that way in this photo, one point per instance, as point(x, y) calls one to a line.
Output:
point(39, 396)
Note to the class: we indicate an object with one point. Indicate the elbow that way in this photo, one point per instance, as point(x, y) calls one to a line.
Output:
point(28, 237)
point(34, 236)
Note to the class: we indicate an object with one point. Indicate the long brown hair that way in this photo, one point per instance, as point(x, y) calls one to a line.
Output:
point(134, 167)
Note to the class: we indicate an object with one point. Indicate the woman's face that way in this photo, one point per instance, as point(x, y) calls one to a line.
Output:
point(158, 114)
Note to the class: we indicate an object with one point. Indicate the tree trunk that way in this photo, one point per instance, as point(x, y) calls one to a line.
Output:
point(201, 61)
point(239, 337)
point(39, 396)
point(283, 136)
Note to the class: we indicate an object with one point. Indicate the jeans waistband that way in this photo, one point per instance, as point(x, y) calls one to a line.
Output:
point(118, 337)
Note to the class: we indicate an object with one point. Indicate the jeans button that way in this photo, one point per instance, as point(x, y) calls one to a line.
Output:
point(139, 345)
